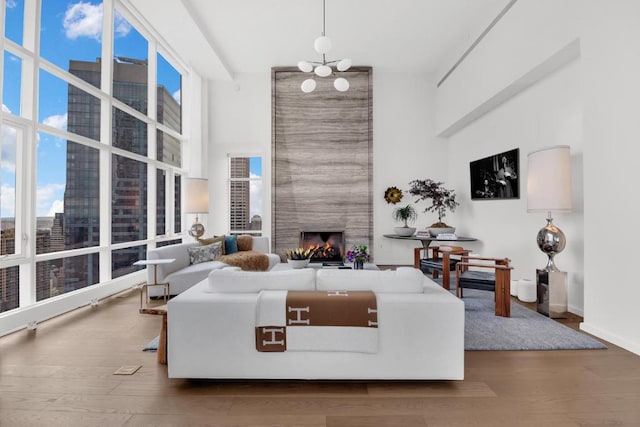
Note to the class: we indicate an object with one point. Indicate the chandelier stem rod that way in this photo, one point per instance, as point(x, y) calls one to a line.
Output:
point(324, 16)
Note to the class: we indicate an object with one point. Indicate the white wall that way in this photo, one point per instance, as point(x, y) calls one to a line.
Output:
point(548, 113)
point(404, 147)
point(607, 37)
point(611, 105)
point(239, 123)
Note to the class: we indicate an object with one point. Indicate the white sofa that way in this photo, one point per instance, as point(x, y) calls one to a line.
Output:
point(420, 335)
point(181, 275)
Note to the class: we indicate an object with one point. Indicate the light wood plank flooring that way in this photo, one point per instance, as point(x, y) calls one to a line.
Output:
point(62, 375)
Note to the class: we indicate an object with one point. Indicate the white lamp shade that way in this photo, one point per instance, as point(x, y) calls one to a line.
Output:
point(344, 64)
point(549, 180)
point(305, 67)
point(323, 70)
point(322, 44)
point(341, 84)
point(196, 192)
point(308, 85)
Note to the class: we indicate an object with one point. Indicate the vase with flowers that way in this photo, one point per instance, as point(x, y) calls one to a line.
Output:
point(358, 255)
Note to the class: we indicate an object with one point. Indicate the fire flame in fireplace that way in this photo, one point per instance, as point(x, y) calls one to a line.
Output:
point(326, 251)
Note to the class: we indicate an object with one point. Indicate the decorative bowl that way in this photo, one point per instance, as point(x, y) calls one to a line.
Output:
point(298, 263)
point(404, 231)
point(434, 231)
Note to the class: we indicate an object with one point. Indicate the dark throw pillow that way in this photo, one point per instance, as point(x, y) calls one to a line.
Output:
point(230, 245)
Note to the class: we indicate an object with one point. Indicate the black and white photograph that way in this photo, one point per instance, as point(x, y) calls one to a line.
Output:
point(496, 177)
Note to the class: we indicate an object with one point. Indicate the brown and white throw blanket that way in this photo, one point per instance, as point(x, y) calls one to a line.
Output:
point(317, 321)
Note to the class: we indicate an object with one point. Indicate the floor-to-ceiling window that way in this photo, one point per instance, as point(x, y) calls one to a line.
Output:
point(91, 152)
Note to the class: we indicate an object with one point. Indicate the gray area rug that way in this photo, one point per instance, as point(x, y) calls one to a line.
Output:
point(524, 330)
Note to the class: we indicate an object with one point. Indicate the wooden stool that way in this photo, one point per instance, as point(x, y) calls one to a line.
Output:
point(162, 344)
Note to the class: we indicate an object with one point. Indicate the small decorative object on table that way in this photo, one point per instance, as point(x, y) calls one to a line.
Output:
point(358, 255)
point(299, 257)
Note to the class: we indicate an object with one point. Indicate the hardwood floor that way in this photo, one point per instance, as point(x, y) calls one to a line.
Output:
point(62, 375)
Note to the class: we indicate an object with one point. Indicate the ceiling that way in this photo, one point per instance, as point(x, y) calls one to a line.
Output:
point(221, 38)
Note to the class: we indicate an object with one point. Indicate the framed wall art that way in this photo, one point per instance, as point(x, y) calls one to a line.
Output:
point(496, 177)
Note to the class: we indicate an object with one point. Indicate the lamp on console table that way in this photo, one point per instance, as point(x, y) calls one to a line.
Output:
point(549, 190)
point(196, 202)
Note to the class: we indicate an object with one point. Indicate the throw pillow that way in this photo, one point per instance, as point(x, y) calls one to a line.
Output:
point(230, 245)
point(212, 240)
point(198, 254)
point(245, 242)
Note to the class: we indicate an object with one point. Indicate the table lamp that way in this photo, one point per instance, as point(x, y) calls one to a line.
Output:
point(549, 190)
point(197, 202)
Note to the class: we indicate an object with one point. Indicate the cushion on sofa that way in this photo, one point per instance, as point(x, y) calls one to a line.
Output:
point(199, 254)
point(234, 280)
point(230, 245)
point(210, 240)
point(247, 260)
point(402, 280)
point(245, 242)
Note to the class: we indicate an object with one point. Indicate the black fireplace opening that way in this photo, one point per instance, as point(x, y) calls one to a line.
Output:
point(327, 246)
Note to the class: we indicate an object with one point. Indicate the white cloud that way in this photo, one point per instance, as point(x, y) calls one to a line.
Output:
point(58, 121)
point(83, 20)
point(5, 109)
point(176, 95)
point(255, 191)
point(56, 206)
point(8, 147)
point(11, 4)
point(49, 197)
point(121, 26)
point(8, 197)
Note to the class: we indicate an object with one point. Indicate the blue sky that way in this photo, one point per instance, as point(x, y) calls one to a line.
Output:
point(69, 30)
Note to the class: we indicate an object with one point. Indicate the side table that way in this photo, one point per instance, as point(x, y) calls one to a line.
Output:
point(154, 263)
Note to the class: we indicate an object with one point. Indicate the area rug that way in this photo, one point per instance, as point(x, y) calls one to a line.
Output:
point(524, 330)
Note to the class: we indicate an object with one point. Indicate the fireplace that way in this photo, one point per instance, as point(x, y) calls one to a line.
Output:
point(327, 246)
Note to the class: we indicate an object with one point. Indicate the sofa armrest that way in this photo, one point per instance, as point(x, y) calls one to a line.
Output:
point(178, 252)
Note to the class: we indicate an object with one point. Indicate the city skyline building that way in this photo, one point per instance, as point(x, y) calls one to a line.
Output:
point(239, 194)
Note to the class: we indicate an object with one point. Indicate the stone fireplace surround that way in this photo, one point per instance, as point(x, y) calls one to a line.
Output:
point(321, 158)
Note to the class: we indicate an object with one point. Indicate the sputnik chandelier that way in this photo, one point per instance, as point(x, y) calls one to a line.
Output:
point(322, 45)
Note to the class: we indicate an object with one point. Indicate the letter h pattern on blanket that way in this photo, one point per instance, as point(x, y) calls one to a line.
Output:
point(317, 321)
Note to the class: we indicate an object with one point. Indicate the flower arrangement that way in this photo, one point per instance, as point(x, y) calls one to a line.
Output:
point(358, 253)
point(442, 199)
point(299, 254)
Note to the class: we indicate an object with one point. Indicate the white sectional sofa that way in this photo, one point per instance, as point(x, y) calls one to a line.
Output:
point(211, 328)
point(181, 275)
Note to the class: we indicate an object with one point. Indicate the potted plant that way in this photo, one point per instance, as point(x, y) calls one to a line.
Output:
point(299, 257)
point(405, 214)
point(442, 200)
